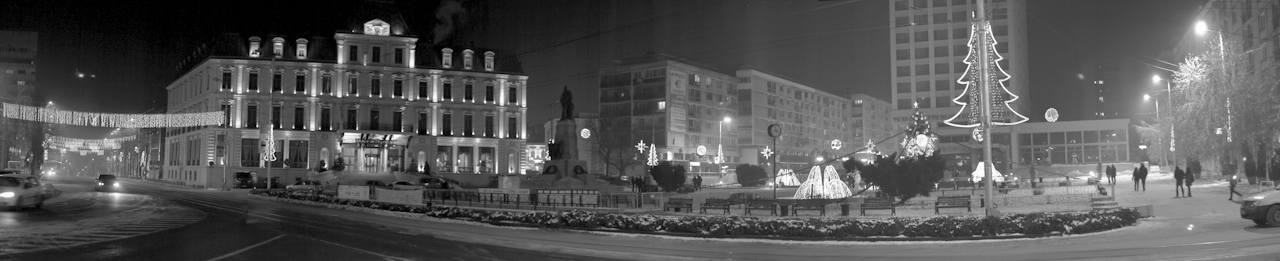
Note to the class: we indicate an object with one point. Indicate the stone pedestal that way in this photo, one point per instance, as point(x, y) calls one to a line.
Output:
point(568, 174)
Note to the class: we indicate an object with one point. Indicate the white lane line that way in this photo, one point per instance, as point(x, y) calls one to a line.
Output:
point(384, 257)
point(246, 248)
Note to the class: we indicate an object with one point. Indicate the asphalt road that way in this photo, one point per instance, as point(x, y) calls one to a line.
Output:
point(240, 227)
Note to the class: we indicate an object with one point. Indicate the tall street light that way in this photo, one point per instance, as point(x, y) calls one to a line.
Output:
point(720, 146)
point(1202, 27)
point(1168, 88)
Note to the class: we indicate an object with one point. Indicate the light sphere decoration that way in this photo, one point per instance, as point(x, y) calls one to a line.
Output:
point(836, 144)
point(586, 133)
point(1051, 115)
point(702, 150)
point(977, 134)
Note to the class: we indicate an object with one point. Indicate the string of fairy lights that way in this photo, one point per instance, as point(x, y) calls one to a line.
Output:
point(113, 120)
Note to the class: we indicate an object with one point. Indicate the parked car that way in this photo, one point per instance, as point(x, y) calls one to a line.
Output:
point(243, 180)
point(303, 186)
point(1263, 208)
point(405, 185)
point(107, 182)
point(18, 191)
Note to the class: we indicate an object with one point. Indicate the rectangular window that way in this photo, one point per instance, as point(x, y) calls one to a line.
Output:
point(251, 117)
point(960, 33)
point(300, 84)
point(353, 55)
point(446, 92)
point(377, 54)
point(941, 51)
point(1000, 30)
point(324, 119)
point(446, 125)
point(922, 69)
point(920, 20)
point(352, 86)
point(511, 127)
point(903, 54)
point(901, 38)
point(249, 156)
point(326, 84)
point(468, 129)
point(226, 114)
point(922, 36)
point(375, 86)
point(397, 88)
point(1056, 138)
point(901, 21)
point(904, 87)
point(397, 121)
point(922, 52)
point(941, 68)
point(940, 18)
point(924, 103)
point(374, 119)
point(275, 118)
point(299, 118)
point(422, 124)
point(226, 81)
point(424, 88)
point(922, 86)
point(960, 67)
point(275, 83)
point(900, 5)
point(253, 81)
point(904, 71)
point(511, 95)
point(939, 3)
point(399, 56)
point(488, 126)
point(466, 93)
point(488, 93)
point(297, 154)
point(351, 120)
point(942, 101)
point(941, 85)
point(904, 104)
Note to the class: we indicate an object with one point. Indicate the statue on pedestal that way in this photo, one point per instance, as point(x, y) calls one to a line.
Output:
point(566, 104)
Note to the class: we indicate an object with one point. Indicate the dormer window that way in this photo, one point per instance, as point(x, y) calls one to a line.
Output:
point(488, 61)
point(255, 45)
point(466, 59)
point(377, 27)
point(446, 58)
point(302, 49)
point(277, 47)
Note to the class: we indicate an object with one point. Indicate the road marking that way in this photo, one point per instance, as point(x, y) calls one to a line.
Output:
point(384, 257)
point(246, 248)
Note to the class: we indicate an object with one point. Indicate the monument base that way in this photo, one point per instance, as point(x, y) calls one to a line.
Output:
point(568, 174)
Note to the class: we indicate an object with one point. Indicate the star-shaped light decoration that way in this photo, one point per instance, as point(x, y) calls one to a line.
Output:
point(766, 152)
point(640, 146)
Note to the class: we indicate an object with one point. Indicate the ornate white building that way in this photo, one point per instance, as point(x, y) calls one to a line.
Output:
point(371, 96)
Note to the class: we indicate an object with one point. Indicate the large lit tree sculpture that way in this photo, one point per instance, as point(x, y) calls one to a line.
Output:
point(823, 185)
point(970, 114)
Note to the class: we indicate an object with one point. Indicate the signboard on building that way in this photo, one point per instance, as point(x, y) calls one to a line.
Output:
point(406, 197)
point(677, 115)
point(353, 192)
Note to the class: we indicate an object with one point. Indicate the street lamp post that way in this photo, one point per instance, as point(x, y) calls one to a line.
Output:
point(1201, 27)
point(1168, 85)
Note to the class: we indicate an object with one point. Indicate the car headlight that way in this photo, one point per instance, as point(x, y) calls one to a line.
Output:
point(101, 184)
point(6, 195)
point(116, 185)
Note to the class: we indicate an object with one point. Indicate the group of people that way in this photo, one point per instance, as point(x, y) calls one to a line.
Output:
point(1183, 177)
point(1110, 172)
point(1140, 177)
point(697, 183)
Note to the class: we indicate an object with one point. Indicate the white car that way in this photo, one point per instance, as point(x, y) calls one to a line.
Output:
point(18, 191)
point(1263, 208)
point(304, 185)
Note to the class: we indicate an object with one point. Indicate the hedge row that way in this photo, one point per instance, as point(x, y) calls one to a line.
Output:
point(817, 228)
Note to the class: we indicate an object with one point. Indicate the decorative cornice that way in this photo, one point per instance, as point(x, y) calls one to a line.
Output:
point(300, 104)
point(352, 106)
point(399, 108)
point(327, 72)
point(326, 105)
point(398, 76)
point(277, 70)
point(227, 68)
point(353, 73)
point(254, 69)
point(376, 74)
point(277, 103)
point(300, 71)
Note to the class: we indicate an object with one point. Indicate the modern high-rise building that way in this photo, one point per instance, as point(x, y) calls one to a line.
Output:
point(928, 44)
point(814, 123)
point(17, 86)
point(373, 96)
point(679, 105)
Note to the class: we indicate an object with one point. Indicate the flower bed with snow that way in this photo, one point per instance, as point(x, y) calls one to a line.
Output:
point(957, 227)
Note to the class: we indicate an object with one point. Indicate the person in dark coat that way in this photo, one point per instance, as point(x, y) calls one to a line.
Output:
point(1134, 176)
point(1178, 175)
point(1189, 177)
point(1231, 196)
point(1111, 174)
point(1142, 176)
point(697, 183)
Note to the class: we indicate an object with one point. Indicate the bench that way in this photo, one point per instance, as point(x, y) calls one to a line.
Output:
point(965, 183)
point(953, 202)
point(809, 205)
point(946, 185)
point(679, 203)
point(716, 203)
point(742, 198)
point(769, 205)
point(877, 203)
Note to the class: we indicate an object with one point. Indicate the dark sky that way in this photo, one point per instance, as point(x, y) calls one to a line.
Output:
point(838, 46)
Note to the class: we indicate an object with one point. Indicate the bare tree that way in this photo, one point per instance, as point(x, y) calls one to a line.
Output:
point(1222, 89)
point(613, 145)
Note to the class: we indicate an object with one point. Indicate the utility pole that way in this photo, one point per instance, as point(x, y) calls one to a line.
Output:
point(983, 69)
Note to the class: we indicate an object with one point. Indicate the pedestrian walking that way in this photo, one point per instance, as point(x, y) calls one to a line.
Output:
point(697, 182)
point(1142, 176)
point(1111, 174)
point(1233, 181)
point(1134, 176)
point(1189, 178)
point(1178, 175)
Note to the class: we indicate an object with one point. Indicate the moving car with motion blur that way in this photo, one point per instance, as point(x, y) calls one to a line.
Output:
point(18, 191)
point(107, 182)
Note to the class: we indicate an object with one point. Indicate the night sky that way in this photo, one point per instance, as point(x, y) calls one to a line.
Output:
point(133, 47)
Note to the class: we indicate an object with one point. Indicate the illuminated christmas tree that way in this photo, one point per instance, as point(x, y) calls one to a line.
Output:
point(823, 185)
point(970, 115)
point(919, 139)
